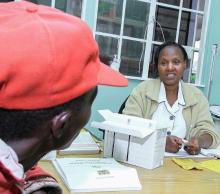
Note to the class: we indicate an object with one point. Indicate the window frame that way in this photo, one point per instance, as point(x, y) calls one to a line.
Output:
point(84, 2)
point(149, 42)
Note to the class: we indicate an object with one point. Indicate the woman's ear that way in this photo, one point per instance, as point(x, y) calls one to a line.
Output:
point(58, 123)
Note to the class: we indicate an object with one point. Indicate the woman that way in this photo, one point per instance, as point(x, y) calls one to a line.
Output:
point(174, 103)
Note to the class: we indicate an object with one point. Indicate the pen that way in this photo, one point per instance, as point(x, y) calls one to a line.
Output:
point(185, 142)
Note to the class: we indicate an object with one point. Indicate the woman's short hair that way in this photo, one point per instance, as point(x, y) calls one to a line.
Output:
point(173, 44)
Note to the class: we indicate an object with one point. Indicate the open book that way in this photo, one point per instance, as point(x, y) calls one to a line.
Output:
point(96, 175)
point(83, 144)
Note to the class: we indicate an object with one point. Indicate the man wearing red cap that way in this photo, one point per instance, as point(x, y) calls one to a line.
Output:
point(49, 74)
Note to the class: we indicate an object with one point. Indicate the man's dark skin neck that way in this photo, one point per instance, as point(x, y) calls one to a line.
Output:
point(30, 150)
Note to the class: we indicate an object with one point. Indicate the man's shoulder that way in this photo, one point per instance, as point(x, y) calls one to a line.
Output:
point(7, 181)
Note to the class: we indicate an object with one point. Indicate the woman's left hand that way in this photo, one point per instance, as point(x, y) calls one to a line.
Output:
point(192, 147)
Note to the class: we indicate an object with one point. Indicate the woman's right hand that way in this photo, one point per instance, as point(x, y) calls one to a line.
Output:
point(173, 144)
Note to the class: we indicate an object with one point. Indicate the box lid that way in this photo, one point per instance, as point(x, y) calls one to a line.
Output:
point(126, 124)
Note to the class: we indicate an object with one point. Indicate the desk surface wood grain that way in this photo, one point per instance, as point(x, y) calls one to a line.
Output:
point(167, 179)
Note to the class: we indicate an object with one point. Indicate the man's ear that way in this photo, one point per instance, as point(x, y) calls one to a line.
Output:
point(58, 123)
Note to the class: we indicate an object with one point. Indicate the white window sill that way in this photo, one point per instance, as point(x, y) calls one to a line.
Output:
point(143, 79)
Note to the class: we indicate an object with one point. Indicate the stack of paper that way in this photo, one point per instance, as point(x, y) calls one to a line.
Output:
point(211, 152)
point(204, 153)
point(183, 154)
point(96, 175)
point(83, 144)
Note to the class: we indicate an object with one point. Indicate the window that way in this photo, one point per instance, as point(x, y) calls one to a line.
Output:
point(73, 7)
point(131, 30)
point(121, 31)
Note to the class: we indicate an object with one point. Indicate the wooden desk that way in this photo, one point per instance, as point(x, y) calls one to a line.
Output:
point(168, 179)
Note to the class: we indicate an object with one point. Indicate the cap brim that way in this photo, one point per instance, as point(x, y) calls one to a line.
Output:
point(108, 76)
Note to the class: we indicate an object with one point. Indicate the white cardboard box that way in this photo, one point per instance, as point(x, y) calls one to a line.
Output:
point(134, 140)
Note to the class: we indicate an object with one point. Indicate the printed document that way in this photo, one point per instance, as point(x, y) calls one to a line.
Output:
point(83, 144)
point(96, 175)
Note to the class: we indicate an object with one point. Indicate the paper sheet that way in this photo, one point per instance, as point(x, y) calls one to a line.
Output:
point(187, 163)
point(213, 165)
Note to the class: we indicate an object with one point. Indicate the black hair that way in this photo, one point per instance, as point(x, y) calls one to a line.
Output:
point(166, 44)
point(18, 124)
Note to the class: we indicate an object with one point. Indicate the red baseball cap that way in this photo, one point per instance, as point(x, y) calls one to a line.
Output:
point(47, 57)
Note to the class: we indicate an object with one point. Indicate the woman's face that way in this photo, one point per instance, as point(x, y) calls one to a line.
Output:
point(171, 65)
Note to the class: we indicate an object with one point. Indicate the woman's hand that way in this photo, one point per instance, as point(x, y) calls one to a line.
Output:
point(173, 144)
point(192, 147)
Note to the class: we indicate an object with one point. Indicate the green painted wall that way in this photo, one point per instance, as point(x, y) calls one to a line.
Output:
point(111, 97)
point(213, 37)
point(108, 97)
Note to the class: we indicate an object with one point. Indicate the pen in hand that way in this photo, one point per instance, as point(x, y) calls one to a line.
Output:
point(191, 147)
point(185, 142)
